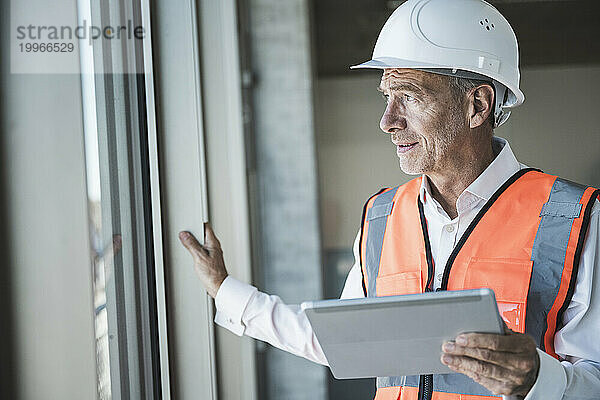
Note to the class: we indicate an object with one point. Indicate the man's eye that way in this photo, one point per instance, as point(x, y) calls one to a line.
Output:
point(409, 98)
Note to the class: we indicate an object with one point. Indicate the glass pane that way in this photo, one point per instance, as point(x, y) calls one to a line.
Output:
point(119, 201)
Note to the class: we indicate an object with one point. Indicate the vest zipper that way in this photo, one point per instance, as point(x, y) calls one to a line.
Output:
point(425, 387)
point(426, 381)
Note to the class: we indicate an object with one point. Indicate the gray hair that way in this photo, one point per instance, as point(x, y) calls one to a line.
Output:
point(461, 86)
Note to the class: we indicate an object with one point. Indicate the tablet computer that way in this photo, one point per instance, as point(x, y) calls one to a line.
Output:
point(398, 335)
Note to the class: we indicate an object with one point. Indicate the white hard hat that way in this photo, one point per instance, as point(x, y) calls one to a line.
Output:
point(464, 38)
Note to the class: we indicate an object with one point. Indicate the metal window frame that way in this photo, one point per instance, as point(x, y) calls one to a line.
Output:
point(179, 168)
point(229, 177)
point(115, 104)
point(159, 267)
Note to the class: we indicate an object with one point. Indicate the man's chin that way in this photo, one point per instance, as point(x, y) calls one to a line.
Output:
point(410, 168)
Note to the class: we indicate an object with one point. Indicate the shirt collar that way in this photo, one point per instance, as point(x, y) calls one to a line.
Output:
point(499, 171)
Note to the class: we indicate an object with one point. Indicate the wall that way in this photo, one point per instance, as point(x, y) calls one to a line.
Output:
point(557, 130)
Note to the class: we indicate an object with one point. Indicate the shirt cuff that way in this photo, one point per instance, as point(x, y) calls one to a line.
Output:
point(551, 381)
point(231, 301)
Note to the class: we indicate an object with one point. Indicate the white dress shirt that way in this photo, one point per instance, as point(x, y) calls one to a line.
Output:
point(243, 309)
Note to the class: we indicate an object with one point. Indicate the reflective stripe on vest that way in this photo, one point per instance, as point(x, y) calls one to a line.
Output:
point(376, 220)
point(536, 223)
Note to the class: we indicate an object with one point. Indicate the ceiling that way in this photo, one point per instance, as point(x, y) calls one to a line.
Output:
point(550, 32)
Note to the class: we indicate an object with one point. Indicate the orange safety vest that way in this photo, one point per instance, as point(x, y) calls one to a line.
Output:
point(525, 244)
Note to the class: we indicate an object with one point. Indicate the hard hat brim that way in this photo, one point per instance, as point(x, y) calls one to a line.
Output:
point(382, 63)
point(388, 62)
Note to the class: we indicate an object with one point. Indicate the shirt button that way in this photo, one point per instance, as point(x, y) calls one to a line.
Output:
point(449, 228)
point(439, 277)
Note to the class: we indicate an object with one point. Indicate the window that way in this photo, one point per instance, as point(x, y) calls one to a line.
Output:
point(120, 201)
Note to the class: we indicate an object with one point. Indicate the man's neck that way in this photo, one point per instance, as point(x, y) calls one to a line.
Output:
point(448, 184)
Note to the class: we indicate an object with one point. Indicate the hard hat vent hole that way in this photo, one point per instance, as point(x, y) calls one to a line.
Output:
point(485, 23)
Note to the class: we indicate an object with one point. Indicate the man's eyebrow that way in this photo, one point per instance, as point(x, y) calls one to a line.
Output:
point(403, 86)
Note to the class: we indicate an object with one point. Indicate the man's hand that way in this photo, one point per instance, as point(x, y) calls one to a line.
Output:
point(208, 259)
point(504, 364)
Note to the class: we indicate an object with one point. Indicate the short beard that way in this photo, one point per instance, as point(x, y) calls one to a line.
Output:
point(448, 129)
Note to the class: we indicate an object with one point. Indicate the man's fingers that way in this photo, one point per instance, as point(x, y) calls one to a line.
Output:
point(191, 243)
point(210, 238)
point(208, 261)
point(502, 358)
point(496, 379)
point(470, 367)
point(490, 341)
point(508, 358)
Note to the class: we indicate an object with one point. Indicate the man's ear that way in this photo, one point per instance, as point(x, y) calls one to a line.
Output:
point(481, 105)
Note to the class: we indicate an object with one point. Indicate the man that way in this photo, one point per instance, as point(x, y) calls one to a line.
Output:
point(475, 218)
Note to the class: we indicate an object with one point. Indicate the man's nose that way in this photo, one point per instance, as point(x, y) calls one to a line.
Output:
point(392, 121)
